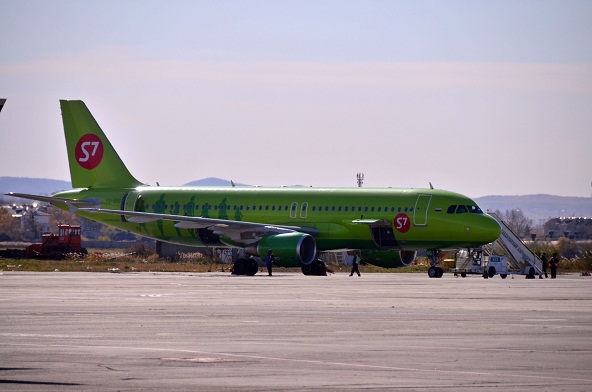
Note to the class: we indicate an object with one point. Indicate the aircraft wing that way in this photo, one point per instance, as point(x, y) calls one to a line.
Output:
point(237, 230)
point(372, 222)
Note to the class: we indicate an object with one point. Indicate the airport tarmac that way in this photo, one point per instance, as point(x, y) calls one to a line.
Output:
point(217, 332)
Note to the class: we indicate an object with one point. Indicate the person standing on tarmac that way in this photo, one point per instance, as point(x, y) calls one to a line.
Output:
point(355, 263)
point(553, 263)
point(544, 261)
point(269, 261)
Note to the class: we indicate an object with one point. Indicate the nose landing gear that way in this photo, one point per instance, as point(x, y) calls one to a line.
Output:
point(434, 271)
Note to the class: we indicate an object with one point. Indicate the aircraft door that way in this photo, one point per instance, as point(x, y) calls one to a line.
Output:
point(303, 210)
point(293, 210)
point(420, 212)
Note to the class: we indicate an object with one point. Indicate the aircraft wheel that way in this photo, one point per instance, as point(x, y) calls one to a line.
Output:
point(307, 269)
point(440, 272)
point(319, 268)
point(433, 272)
point(252, 267)
point(503, 276)
point(240, 267)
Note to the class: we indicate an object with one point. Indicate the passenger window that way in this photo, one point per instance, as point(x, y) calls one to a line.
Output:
point(346, 209)
point(379, 209)
point(451, 209)
point(333, 208)
point(339, 209)
point(461, 209)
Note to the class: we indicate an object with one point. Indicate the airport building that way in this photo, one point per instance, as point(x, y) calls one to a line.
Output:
point(569, 227)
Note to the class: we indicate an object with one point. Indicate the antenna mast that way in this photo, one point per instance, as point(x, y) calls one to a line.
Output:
point(360, 179)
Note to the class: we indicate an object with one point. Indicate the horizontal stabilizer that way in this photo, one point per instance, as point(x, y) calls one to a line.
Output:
point(87, 203)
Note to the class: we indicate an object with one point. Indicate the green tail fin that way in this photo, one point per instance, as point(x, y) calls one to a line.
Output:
point(93, 160)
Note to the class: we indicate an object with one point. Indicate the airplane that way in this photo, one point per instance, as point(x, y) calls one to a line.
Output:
point(385, 226)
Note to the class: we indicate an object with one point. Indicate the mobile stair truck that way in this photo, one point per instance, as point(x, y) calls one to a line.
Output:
point(507, 255)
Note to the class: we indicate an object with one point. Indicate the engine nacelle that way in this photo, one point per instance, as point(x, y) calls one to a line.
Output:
point(289, 249)
point(389, 258)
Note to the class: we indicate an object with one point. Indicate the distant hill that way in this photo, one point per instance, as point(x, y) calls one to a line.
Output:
point(539, 207)
point(536, 207)
point(36, 186)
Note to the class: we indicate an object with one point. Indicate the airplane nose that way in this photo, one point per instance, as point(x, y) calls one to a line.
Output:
point(489, 229)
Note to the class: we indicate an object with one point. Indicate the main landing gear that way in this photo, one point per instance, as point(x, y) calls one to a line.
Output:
point(434, 271)
point(247, 267)
point(316, 268)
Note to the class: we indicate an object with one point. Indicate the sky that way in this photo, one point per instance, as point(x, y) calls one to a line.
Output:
point(477, 97)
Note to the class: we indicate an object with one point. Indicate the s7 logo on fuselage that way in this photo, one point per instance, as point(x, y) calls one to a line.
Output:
point(402, 223)
point(89, 151)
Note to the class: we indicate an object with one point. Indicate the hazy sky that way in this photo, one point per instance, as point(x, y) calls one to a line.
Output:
point(478, 97)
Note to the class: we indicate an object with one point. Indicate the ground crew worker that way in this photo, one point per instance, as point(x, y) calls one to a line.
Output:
point(355, 263)
point(269, 261)
point(553, 263)
point(544, 261)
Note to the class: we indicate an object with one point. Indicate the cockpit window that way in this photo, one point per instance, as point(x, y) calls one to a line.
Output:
point(475, 210)
point(451, 209)
point(461, 209)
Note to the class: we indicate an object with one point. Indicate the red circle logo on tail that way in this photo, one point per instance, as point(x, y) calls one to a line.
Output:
point(89, 151)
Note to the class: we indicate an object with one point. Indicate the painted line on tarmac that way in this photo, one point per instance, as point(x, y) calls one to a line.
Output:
point(315, 362)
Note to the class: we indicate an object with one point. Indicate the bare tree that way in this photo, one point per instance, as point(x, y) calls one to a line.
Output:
point(518, 222)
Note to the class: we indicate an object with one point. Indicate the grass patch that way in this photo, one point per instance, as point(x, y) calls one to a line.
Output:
point(124, 261)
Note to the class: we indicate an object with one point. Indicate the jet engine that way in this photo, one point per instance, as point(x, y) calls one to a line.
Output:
point(389, 258)
point(289, 249)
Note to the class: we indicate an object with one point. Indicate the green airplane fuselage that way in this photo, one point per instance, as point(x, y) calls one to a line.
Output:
point(338, 218)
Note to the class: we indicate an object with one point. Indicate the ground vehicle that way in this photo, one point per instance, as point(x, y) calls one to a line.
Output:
point(58, 245)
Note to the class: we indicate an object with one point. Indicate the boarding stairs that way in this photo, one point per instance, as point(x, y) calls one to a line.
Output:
point(520, 258)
